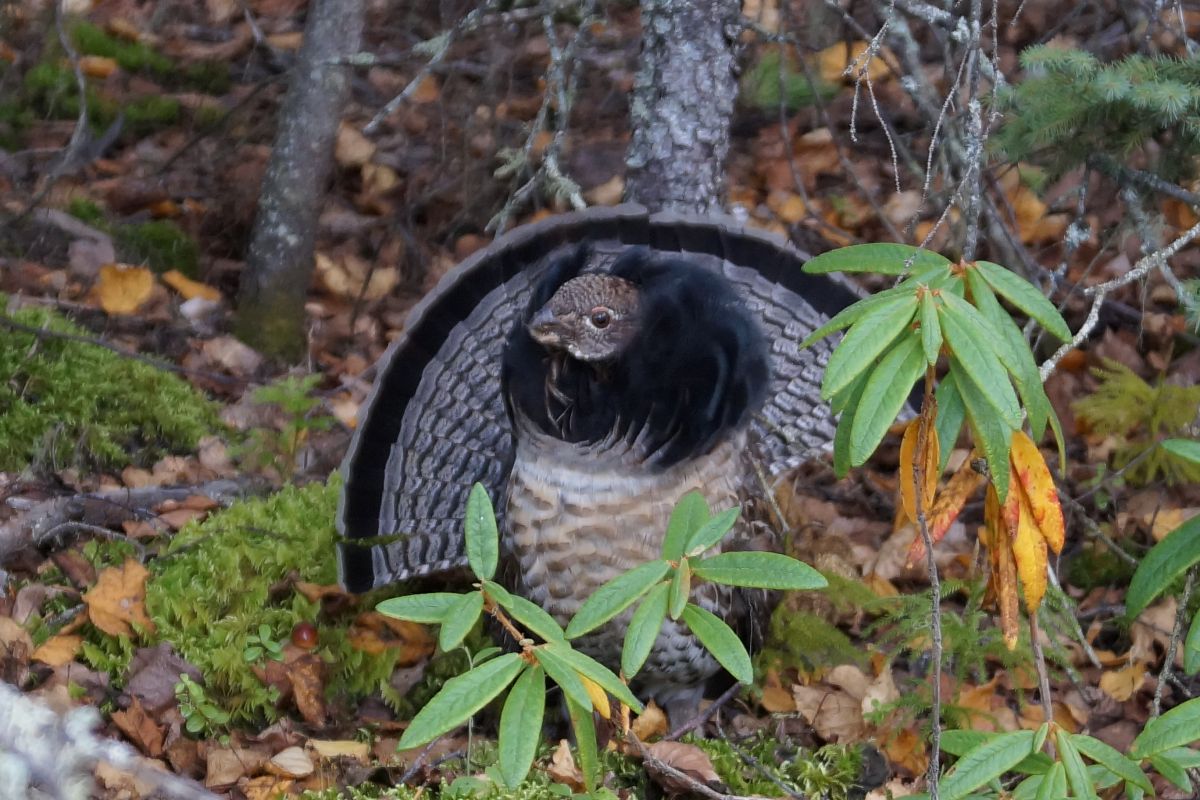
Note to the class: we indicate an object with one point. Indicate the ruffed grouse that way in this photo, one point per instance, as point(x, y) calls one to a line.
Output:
point(589, 388)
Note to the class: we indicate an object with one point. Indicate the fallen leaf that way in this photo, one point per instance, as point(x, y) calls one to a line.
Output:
point(226, 765)
point(776, 700)
point(340, 748)
point(265, 787)
point(835, 715)
point(562, 767)
point(836, 60)
point(881, 691)
point(291, 762)
point(122, 289)
point(352, 149)
point(1123, 684)
point(850, 679)
point(97, 66)
point(351, 277)
point(688, 759)
point(140, 729)
point(307, 677)
point(373, 633)
point(651, 722)
point(118, 599)
point(59, 650)
point(189, 288)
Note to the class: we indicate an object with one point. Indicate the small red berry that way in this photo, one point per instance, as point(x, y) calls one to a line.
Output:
point(304, 635)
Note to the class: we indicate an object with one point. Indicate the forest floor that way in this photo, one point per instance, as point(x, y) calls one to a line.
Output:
point(138, 239)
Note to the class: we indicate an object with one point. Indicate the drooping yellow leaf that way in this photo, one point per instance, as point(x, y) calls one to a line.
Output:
point(1004, 570)
point(599, 696)
point(1033, 476)
point(121, 288)
point(189, 288)
point(1029, 550)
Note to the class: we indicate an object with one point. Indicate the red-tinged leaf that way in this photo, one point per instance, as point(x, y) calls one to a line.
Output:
point(1035, 480)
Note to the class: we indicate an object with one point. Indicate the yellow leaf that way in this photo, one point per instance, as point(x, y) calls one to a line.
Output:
point(598, 695)
point(1029, 550)
point(834, 60)
point(122, 288)
point(651, 722)
point(1004, 575)
point(1033, 476)
point(58, 650)
point(97, 66)
point(189, 288)
point(1121, 684)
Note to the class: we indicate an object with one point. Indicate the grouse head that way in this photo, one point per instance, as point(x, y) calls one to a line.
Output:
point(592, 317)
point(659, 356)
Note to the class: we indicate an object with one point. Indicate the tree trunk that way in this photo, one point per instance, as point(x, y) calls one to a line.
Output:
point(683, 99)
point(279, 263)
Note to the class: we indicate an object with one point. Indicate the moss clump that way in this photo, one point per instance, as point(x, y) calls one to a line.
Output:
point(1094, 566)
point(802, 640)
point(131, 56)
point(160, 244)
point(151, 112)
point(86, 210)
point(213, 589)
point(831, 771)
point(69, 403)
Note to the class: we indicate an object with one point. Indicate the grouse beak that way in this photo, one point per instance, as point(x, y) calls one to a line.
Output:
point(545, 328)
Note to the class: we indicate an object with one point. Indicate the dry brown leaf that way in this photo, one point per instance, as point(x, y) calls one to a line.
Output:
point(307, 677)
point(140, 729)
point(97, 66)
point(122, 289)
point(59, 650)
point(373, 633)
point(651, 722)
point(777, 700)
point(1153, 628)
point(562, 767)
point(265, 787)
point(340, 748)
point(118, 599)
point(947, 506)
point(427, 91)
point(378, 179)
point(291, 762)
point(850, 679)
point(906, 748)
point(346, 275)
point(688, 759)
point(835, 715)
point(1168, 519)
point(608, 193)
point(834, 61)
point(881, 691)
point(352, 149)
point(189, 288)
point(929, 461)
point(1123, 684)
point(289, 41)
point(225, 765)
point(316, 592)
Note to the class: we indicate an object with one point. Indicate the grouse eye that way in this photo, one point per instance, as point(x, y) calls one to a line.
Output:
point(601, 317)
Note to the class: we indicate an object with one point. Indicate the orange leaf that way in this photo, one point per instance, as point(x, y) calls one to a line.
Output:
point(1122, 684)
point(97, 66)
point(188, 287)
point(118, 599)
point(1033, 476)
point(122, 289)
point(58, 650)
point(948, 505)
point(1029, 550)
point(929, 461)
point(1004, 579)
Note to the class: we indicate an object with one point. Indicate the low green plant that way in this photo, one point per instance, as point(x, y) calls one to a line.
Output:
point(200, 715)
point(659, 588)
point(279, 447)
point(764, 766)
point(70, 403)
point(262, 643)
point(159, 244)
point(984, 758)
point(1140, 416)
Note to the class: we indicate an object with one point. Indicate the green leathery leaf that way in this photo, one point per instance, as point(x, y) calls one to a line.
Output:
point(1191, 649)
point(585, 741)
point(599, 674)
point(521, 725)
point(882, 258)
point(1054, 783)
point(1184, 448)
point(1112, 759)
point(848, 316)
point(564, 675)
point(643, 630)
point(1176, 728)
point(1077, 774)
point(459, 621)
point(950, 416)
point(991, 434)
point(931, 329)
point(1025, 296)
point(759, 570)
point(1172, 771)
point(721, 641)
point(884, 396)
point(615, 596)
point(712, 531)
point(865, 341)
point(460, 698)
point(973, 342)
point(681, 589)
point(689, 514)
point(986, 762)
point(429, 609)
point(483, 538)
point(841, 436)
point(1174, 555)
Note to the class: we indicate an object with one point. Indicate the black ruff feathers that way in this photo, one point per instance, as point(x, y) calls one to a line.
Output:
point(695, 370)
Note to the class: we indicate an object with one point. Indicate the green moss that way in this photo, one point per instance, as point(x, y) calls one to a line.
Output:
point(131, 56)
point(51, 90)
point(1093, 566)
point(803, 640)
point(210, 77)
point(70, 403)
point(213, 588)
point(151, 112)
point(86, 210)
point(160, 244)
point(829, 772)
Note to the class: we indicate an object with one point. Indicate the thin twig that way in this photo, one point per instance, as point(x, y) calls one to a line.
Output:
point(704, 716)
point(1181, 618)
point(1039, 663)
point(925, 424)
